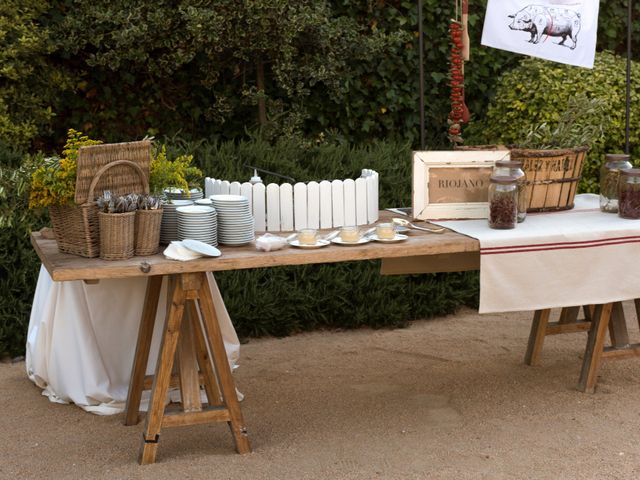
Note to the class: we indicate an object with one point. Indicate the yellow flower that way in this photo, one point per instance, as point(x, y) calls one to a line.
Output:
point(54, 182)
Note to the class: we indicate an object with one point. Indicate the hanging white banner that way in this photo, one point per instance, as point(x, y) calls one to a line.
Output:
point(559, 30)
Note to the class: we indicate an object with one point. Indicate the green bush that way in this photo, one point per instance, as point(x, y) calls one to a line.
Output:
point(19, 265)
point(538, 91)
point(29, 80)
point(118, 71)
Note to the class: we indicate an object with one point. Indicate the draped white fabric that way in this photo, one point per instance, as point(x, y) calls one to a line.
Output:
point(82, 338)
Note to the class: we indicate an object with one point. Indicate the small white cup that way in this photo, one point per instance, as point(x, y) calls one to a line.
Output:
point(349, 234)
point(307, 236)
point(385, 231)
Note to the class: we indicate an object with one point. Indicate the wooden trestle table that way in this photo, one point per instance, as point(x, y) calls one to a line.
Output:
point(191, 336)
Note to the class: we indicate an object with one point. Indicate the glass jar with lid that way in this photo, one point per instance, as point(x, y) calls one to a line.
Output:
point(629, 194)
point(609, 178)
point(503, 201)
point(513, 168)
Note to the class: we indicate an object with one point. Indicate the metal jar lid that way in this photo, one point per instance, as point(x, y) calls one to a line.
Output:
point(509, 163)
point(631, 172)
point(503, 179)
point(617, 157)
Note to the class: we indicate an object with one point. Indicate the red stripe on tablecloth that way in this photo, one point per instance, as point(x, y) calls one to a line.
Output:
point(542, 248)
point(555, 244)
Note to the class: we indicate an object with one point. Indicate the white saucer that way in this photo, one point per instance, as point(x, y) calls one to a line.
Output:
point(201, 247)
point(319, 244)
point(361, 241)
point(398, 238)
point(402, 230)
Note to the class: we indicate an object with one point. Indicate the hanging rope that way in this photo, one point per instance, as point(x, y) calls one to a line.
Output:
point(459, 112)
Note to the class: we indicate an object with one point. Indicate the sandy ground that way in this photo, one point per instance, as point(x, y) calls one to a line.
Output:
point(448, 398)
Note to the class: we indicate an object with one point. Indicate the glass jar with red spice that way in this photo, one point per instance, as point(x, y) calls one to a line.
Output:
point(513, 168)
point(629, 194)
point(503, 201)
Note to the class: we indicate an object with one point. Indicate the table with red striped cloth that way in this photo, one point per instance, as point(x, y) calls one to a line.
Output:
point(575, 257)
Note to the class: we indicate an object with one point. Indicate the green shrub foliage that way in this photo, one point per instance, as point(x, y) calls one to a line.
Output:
point(19, 265)
point(118, 70)
point(347, 68)
point(28, 78)
point(538, 91)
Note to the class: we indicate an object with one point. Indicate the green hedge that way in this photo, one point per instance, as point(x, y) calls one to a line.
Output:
point(118, 72)
point(275, 301)
point(538, 91)
point(19, 265)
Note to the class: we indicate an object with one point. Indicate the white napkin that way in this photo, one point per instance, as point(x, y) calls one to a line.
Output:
point(177, 251)
point(269, 242)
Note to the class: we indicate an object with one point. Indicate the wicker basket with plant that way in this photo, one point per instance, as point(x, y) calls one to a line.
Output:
point(553, 156)
point(67, 185)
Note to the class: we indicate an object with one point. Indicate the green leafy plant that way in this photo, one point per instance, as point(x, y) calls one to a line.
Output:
point(176, 173)
point(581, 124)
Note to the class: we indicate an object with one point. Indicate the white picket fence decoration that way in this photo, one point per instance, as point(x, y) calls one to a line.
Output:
point(325, 204)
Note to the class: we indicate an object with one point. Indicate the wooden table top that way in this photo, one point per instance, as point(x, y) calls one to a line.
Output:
point(63, 267)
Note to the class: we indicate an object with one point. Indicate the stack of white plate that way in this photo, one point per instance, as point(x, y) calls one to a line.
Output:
point(198, 222)
point(235, 221)
point(179, 194)
point(169, 225)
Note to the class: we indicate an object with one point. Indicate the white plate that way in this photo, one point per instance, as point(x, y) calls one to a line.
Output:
point(196, 209)
point(361, 241)
point(228, 198)
point(401, 229)
point(398, 238)
point(201, 247)
point(319, 244)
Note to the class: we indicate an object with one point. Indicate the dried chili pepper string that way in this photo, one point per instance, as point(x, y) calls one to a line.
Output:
point(458, 108)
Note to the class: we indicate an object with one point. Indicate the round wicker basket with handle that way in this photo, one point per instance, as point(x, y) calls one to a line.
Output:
point(117, 230)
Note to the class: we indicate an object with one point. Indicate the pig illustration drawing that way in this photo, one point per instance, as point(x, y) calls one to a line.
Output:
point(540, 20)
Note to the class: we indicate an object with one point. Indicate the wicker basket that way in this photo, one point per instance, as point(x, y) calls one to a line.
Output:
point(100, 167)
point(552, 176)
point(117, 235)
point(147, 231)
point(76, 229)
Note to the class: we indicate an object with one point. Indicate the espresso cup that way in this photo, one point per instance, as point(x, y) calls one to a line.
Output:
point(307, 236)
point(349, 234)
point(385, 231)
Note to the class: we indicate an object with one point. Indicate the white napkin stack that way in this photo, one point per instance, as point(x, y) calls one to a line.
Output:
point(269, 242)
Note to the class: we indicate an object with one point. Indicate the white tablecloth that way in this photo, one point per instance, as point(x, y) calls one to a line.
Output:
point(575, 257)
point(82, 338)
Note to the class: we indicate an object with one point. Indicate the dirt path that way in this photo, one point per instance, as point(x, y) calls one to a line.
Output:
point(443, 399)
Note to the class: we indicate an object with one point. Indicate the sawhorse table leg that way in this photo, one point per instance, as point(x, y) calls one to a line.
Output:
point(597, 321)
point(195, 340)
point(541, 327)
